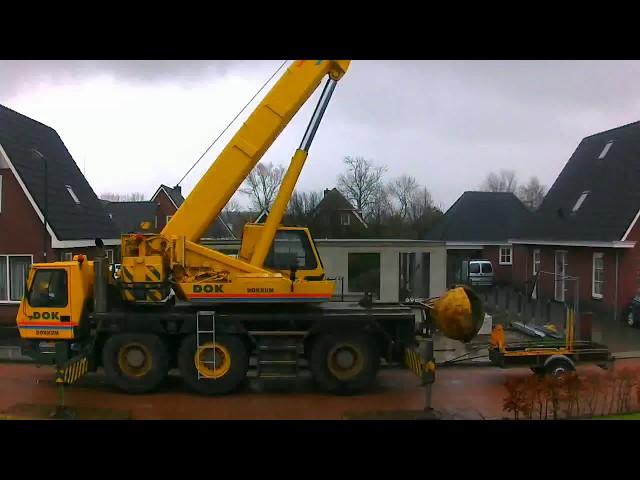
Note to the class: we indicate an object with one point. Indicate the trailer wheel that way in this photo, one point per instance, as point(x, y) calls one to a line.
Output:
point(225, 376)
point(559, 367)
point(135, 362)
point(344, 364)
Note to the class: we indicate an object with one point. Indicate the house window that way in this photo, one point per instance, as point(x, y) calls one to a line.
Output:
point(73, 195)
point(109, 256)
point(168, 218)
point(605, 150)
point(579, 202)
point(597, 284)
point(13, 273)
point(345, 219)
point(67, 256)
point(505, 256)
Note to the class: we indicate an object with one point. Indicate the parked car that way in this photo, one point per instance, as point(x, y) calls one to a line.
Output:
point(632, 313)
point(478, 273)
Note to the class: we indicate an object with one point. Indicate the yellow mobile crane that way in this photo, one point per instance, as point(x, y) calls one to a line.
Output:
point(271, 302)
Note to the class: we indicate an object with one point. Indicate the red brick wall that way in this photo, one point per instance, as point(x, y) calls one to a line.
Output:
point(522, 265)
point(580, 264)
point(629, 264)
point(21, 232)
point(503, 273)
point(165, 207)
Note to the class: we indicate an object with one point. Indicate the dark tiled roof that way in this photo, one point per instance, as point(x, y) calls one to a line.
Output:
point(333, 200)
point(613, 183)
point(218, 229)
point(481, 217)
point(129, 215)
point(70, 221)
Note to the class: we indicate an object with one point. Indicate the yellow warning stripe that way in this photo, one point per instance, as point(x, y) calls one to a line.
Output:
point(153, 271)
point(73, 372)
point(413, 362)
point(126, 274)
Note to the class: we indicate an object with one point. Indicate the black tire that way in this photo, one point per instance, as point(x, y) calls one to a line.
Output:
point(558, 367)
point(232, 376)
point(630, 319)
point(135, 362)
point(362, 354)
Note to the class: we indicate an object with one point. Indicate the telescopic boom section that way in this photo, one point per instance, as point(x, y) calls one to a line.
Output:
point(246, 148)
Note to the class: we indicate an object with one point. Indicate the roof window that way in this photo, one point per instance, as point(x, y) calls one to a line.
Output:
point(578, 204)
point(73, 195)
point(605, 150)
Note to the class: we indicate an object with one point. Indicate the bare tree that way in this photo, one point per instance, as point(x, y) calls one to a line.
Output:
point(302, 205)
point(532, 193)
point(403, 190)
point(381, 208)
point(419, 203)
point(505, 181)
point(361, 183)
point(262, 185)
point(123, 197)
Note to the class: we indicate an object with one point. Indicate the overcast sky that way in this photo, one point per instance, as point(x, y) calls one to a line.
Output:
point(131, 125)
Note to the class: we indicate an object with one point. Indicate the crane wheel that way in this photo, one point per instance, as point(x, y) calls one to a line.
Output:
point(344, 364)
point(135, 362)
point(213, 369)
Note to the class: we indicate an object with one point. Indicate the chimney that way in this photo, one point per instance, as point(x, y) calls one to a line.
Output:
point(326, 190)
point(178, 189)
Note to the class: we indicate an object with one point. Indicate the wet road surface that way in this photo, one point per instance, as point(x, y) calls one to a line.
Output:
point(476, 391)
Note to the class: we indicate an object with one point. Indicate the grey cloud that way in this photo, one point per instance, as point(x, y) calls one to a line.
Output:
point(17, 76)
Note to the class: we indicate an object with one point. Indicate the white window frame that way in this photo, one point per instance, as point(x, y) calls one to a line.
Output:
point(8, 279)
point(594, 294)
point(169, 217)
point(342, 217)
point(73, 194)
point(110, 253)
point(510, 255)
point(67, 256)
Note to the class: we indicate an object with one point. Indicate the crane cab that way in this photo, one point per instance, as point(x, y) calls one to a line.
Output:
point(55, 300)
point(292, 252)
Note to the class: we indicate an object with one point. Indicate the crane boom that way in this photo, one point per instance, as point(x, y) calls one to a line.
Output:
point(246, 148)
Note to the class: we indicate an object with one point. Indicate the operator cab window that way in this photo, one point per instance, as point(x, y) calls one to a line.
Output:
point(49, 289)
point(291, 248)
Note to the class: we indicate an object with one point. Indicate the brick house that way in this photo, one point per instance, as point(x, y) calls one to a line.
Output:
point(129, 217)
point(74, 215)
point(587, 226)
point(335, 217)
point(168, 201)
point(478, 226)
